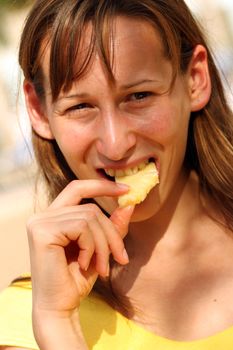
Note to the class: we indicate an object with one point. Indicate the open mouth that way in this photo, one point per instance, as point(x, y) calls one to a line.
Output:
point(110, 174)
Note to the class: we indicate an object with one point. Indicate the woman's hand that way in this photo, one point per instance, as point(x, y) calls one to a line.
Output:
point(70, 246)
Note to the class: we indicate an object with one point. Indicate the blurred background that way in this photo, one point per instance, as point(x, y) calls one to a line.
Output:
point(17, 169)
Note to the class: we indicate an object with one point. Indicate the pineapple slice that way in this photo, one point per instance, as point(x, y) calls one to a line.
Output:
point(140, 185)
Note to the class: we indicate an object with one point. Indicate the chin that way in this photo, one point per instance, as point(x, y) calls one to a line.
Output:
point(147, 209)
point(140, 215)
point(143, 211)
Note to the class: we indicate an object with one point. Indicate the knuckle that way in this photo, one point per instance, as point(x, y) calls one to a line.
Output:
point(83, 225)
point(93, 208)
point(38, 231)
point(72, 185)
point(32, 224)
point(91, 216)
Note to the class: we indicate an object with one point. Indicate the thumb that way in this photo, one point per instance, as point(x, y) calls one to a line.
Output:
point(121, 218)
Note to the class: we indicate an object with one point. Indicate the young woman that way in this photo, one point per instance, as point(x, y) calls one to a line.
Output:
point(110, 86)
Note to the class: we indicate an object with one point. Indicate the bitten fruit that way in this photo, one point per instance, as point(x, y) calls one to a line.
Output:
point(140, 185)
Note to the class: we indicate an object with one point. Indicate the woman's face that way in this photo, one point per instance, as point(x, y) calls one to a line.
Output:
point(100, 125)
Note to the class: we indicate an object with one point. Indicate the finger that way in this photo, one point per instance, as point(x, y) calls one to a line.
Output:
point(86, 246)
point(115, 241)
point(90, 237)
point(121, 218)
point(77, 190)
point(92, 212)
point(101, 247)
point(78, 231)
point(55, 235)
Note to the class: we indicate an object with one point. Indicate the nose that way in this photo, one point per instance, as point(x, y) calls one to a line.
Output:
point(116, 137)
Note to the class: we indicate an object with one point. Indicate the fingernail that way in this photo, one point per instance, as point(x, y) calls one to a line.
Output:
point(125, 255)
point(122, 186)
point(130, 207)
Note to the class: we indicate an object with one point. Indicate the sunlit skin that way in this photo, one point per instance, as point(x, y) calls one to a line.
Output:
point(172, 242)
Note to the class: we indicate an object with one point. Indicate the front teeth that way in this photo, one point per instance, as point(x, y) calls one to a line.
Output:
point(110, 172)
point(125, 172)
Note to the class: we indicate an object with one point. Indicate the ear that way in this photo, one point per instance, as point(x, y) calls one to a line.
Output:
point(36, 112)
point(199, 79)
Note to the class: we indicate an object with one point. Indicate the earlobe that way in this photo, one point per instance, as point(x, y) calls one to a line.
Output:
point(36, 112)
point(199, 79)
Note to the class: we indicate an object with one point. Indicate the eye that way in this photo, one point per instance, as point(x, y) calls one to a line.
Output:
point(79, 110)
point(79, 106)
point(138, 96)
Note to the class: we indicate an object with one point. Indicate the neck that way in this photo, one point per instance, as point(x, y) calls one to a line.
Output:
point(173, 221)
point(152, 246)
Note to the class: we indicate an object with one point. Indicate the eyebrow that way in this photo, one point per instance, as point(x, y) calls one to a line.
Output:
point(137, 83)
point(80, 95)
point(122, 87)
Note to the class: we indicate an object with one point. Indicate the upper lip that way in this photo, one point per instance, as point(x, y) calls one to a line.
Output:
point(122, 165)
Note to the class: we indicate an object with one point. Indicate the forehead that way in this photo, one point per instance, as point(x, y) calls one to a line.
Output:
point(134, 38)
point(131, 43)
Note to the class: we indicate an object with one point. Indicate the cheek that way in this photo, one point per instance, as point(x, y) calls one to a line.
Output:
point(72, 142)
point(159, 125)
point(166, 120)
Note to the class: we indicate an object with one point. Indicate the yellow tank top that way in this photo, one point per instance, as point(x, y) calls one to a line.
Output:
point(103, 327)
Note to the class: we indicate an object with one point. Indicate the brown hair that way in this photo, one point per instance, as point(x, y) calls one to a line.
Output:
point(61, 23)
